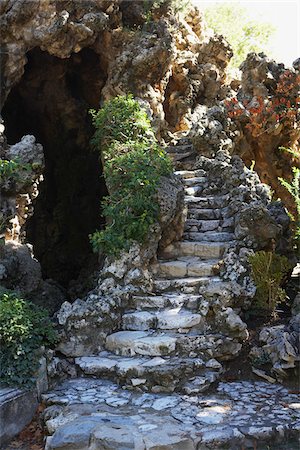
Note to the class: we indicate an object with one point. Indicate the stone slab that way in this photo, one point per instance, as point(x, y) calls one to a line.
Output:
point(17, 408)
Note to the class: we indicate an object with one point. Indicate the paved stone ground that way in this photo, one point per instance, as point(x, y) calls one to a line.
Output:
point(91, 413)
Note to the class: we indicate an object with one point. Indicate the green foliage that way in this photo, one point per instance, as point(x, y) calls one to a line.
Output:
point(294, 190)
point(10, 169)
point(121, 119)
point(243, 34)
point(133, 165)
point(268, 271)
point(24, 328)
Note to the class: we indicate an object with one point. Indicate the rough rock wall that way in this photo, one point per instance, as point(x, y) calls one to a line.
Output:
point(171, 63)
point(265, 110)
point(168, 62)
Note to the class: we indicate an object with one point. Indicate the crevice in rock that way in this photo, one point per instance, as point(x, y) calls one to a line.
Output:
point(51, 102)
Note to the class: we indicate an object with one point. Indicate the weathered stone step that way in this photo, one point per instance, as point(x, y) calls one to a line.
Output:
point(167, 319)
point(194, 190)
point(180, 156)
point(179, 148)
point(190, 267)
point(165, 301)
point(185, 285)
point(204, 250)
point(202, 225)
point(210, 236)
point(204, 214)
point(153, 374)
point(130, 343)
point(156, 343)
point(187, 174)
point(188, 182)
point(209, 201)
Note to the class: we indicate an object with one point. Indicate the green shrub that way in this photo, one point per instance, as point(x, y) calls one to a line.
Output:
point(133, 164)
point(268, 271)
point(121, 119)
point(24, 329)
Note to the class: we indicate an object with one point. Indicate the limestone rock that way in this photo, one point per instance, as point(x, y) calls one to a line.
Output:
point(85, 324)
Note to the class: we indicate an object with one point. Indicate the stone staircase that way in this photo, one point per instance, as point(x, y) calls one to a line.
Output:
point(174, 340)
point(171, 339)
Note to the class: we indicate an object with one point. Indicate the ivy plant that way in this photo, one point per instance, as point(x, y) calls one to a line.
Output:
point(133, 164)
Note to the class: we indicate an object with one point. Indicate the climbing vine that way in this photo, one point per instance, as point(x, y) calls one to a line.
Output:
point(133, 164)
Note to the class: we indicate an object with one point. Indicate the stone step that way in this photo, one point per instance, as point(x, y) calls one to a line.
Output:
point(180, 156)
point(182, 285)
point(210, 236)
point(150, 374)
point(209, 201)
point(179, 148)
point(188, 182)
point(151, 302)
point(190, 267)
point(185, 164)
point(204, 213)
point(194, 190)
point(157, 343)
point(130, 343)
point(187, 174)
point(202, 225)
point(168, 319)
point(204, 250)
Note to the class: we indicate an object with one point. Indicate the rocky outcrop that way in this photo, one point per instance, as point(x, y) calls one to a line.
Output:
point(265, 110)
point(21, 168)
point(277, 351)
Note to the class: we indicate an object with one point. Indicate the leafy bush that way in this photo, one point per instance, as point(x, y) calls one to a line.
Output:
point(121, 119)
point(133, 164)
point(268, 271)
point(24, 328)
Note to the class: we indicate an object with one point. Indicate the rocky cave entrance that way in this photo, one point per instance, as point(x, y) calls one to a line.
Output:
point(51, 101)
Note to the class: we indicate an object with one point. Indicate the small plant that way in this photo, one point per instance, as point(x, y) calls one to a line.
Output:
point(293, 188)
point(24, 329)
point(133, 164)
point(10, 169)
point(268, 271)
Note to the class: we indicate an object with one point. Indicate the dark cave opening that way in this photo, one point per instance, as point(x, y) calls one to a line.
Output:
point(51, 101)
